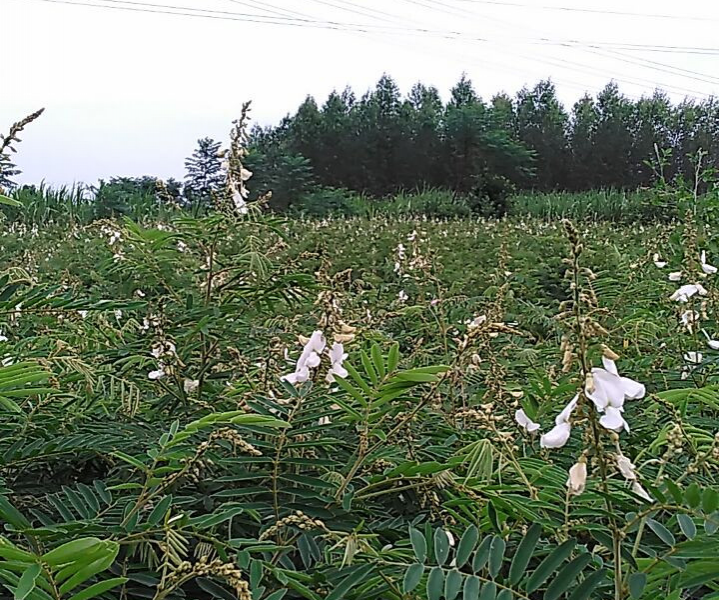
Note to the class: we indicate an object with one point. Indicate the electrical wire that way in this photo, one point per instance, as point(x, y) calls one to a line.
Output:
point(619, 13)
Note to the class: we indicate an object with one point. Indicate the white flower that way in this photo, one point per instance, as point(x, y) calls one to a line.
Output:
point(559, 434)
point(525, 422)
point(402, 296)
point(191, 385)
point(324, 421)
point(337, 357)
point(675, 276)
point(240, 204)
point(687, 291)
point(610, 389)
point(556, 437)
point(640, 491)
point(693, 357)
point(157, 374)
point(245, 174)
point(660, 264)
point(309, 359)
point(82, 313)
point(181, 246)
point(476, 322)
point(577, 477)
point(708, 269)
point(626, 467)
point(450, 538)
point(713, 344)
point(3, 338)
point(139, 293)
point(613, 420)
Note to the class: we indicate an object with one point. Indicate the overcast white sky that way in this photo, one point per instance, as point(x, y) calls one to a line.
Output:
point(128, 92)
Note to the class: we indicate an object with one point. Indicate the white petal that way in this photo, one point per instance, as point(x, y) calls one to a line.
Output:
point(557, 437)
point(693, 357)
point(632, 389)
point(613, 420)
point(640, 491)
point(577, 478)
point(713, 344)
point(563, 417)
point(626, 467)
point(675, 276)
point(524, 421)
point(608, 390)
point(610, 366)
point(709, 269)
point(317, 341)
point(312, 360)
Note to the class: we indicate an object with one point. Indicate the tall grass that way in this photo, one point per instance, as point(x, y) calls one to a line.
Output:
point(601, 205)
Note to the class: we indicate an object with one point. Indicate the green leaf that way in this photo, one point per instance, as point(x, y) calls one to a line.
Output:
point(524, 553)
point(471, 588)
point(9, 201)
point(710, 500)
point(130, 460)
point(378, 360)
point(637, 582)
point(353, 580)
point(90, 570)
point(584, 590)
point(393, 357)
point(489, 591)
point(452, 585)
point(482, 554)
point(416, 377)
point(441, 546)
point(27, 582)
point(549, 565)
point(566, 577)
point(412, 577)
point(71, 551)
point(158, 513)
point(435, 583)
point(419, 544)
point(675, 491)
point(505, 595)
point(496, 555)
point(693, 495)
point(466, 545)
point(493, 517)
point(662, 532)
point(369, 368)
point(215, 590)
point(12, 515)
point(686, 524)
point(98, 588)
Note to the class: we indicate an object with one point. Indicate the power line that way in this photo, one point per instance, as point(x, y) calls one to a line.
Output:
point(297, 22)
point(133, 6)
point(599, 11)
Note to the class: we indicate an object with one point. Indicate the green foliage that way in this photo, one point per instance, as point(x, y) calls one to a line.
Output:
point(151, 449)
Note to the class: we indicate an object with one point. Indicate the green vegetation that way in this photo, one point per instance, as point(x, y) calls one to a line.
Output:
point(219, 401)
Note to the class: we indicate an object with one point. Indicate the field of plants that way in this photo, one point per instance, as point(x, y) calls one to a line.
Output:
point(237, 404)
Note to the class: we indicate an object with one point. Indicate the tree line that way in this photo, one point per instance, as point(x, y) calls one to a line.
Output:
point(382, 143)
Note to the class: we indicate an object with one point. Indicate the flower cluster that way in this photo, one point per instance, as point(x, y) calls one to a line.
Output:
point(162, 352)
point(313, 348)
point(606, 389)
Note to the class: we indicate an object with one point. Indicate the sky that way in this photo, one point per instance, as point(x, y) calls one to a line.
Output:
point(128, 88)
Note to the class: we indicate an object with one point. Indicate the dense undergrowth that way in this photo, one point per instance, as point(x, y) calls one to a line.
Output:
point(145, 416)
point(238, 405)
